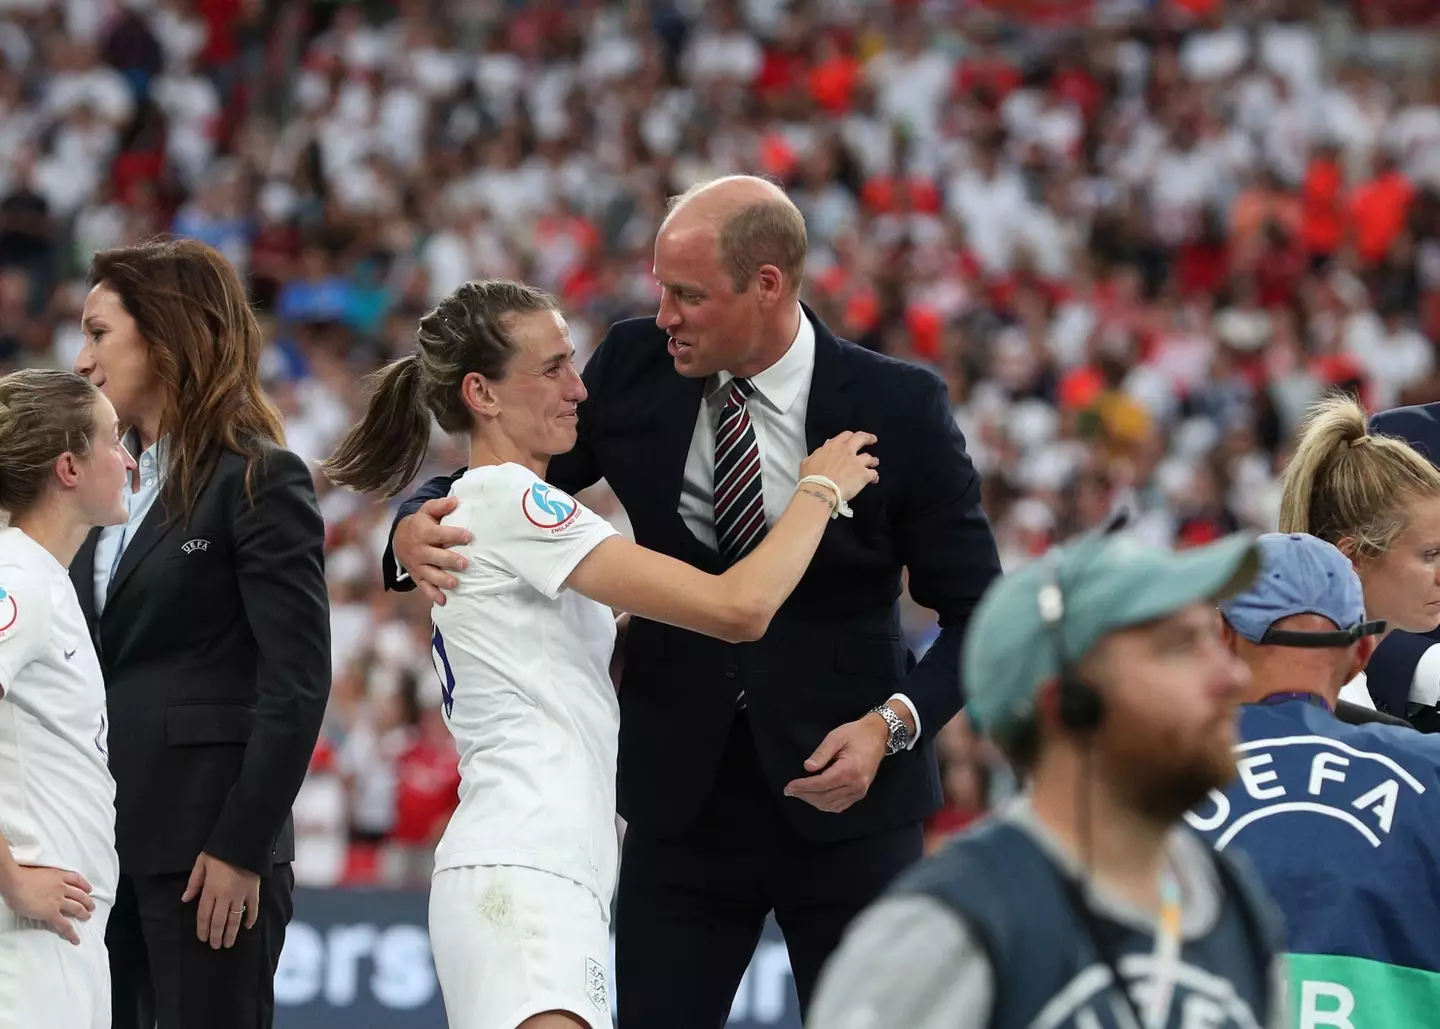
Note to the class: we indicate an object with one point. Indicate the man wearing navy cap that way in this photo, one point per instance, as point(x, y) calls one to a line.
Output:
point(1338, 820)
point(1404, 673)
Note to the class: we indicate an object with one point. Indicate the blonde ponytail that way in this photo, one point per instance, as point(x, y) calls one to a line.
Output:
point(1345, 483)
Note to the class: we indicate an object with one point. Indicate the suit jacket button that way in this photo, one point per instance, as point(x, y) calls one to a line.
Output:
point(731, 671)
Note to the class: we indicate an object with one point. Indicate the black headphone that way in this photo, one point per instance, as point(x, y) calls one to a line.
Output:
point(1082, 709)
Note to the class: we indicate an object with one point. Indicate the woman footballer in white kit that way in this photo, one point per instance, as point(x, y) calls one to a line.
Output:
point(519, 904)
point(62, 472)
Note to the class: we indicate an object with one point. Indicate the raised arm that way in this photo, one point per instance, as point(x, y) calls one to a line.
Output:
point(739, 604)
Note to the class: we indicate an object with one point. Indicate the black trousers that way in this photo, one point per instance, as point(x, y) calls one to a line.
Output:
point(163, 977)
point(690, 910)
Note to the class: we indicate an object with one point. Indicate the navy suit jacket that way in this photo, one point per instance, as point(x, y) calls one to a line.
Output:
point(836, 648)
point(1392, 668)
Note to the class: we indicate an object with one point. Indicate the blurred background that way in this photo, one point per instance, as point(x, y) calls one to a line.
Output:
point(1137, 237)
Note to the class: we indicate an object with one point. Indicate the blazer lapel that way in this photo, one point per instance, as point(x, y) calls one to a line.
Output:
point(82, 577)
point(153, 529)
point(830, 407)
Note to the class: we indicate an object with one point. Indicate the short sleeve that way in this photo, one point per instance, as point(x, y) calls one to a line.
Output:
point(24, 621)
point(539, 533)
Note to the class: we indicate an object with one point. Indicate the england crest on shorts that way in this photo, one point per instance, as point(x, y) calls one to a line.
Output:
point(595, 985)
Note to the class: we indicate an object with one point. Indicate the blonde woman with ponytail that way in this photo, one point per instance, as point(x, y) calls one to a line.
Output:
point(62, 471)
point(1377, 500)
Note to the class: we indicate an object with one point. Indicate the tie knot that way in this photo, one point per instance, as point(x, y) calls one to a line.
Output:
point(740, 391)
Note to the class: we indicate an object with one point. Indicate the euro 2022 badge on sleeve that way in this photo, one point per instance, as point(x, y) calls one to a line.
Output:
point(547, 507)
point(9, 612)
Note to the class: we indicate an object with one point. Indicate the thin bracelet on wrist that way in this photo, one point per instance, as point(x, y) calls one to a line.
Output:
point(818, 495)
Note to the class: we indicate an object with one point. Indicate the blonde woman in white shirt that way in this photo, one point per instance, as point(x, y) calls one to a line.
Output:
point(1378, 500)
point(520, 899)
point(62, 472)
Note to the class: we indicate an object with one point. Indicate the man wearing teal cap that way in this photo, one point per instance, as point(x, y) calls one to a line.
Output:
point(1101, 671)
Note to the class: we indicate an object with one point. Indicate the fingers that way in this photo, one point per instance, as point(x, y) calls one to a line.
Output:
point(77, 880)
point(439, 507)
point(832, 744)
point(252, 905)
point(231, 928)
point(74, 909)
point(220, 914)
point(433, 594)
point(79, 897)
point(204, 915)
point(197, 880)
point(436, 574)
point(65, 929)
point(432, 544)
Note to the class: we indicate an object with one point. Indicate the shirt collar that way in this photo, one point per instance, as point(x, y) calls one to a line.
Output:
point(160, 449)
point(780, 384)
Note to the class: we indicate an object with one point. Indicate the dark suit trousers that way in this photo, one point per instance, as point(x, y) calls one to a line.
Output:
point(162, 976)
point(690, 909)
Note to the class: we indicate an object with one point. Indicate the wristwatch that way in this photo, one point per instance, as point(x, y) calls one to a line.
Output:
point(899, 734)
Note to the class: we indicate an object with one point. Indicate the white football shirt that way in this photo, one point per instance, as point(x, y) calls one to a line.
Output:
point(524, 668)
point(57, 797)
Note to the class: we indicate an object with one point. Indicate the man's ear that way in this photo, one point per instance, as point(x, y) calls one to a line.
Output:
point(1348, 546)
point(1364, 650)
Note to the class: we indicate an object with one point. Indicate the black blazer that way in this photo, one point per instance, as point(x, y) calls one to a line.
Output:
point(215, 643)
point(836, 648)
point(1392, 667)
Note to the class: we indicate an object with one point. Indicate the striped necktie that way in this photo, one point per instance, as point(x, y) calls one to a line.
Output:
point(739, 497)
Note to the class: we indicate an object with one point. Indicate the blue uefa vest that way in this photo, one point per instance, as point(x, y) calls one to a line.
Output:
point(1047, 970)
point(1342, 824)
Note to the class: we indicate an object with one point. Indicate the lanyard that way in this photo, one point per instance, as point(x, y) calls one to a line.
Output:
point(1165, 957)
point(1167, 954)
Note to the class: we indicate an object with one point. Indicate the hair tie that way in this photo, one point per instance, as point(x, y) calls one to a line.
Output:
point(1359, 441)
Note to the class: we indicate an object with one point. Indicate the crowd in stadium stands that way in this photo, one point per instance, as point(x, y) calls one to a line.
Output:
point(1137, 237)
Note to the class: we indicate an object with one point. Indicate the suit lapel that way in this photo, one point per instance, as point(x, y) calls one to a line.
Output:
point(830, 407)
point(82, 576)
point(680, 408)
point(152, 530)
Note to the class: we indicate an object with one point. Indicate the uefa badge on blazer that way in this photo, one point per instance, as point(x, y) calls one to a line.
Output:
point(192, 546)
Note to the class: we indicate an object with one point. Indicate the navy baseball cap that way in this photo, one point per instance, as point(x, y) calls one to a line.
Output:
point(1300, 574)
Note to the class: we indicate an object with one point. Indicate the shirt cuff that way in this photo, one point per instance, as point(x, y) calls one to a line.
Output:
point(1425, 686)
point(915, 736)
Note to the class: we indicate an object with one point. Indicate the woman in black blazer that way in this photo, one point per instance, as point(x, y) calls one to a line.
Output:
point(211, 618)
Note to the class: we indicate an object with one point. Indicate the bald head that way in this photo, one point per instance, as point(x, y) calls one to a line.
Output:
point(751, 221)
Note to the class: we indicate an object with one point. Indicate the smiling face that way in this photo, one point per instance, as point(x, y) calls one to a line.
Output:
point(533, 409)
point(711, 326)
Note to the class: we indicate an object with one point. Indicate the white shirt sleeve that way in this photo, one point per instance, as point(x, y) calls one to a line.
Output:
point(25, 619)
point(1425, 686)
point(539, 533)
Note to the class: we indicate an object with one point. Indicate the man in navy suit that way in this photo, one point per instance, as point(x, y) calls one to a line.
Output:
point(791, 774)
point(1404, 672)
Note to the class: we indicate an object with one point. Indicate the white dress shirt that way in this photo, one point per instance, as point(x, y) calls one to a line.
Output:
point(777, 413)
point(110, 547)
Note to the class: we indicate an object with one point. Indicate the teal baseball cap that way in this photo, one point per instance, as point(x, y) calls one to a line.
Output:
point(1105, 583)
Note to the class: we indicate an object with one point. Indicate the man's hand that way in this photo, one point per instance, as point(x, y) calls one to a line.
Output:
point(227, 895)
point(853, 753)
point(50, 895)
point(420, 548)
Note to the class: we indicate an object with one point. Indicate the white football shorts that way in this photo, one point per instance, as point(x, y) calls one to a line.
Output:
point(48, 981)
point(512, 942)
